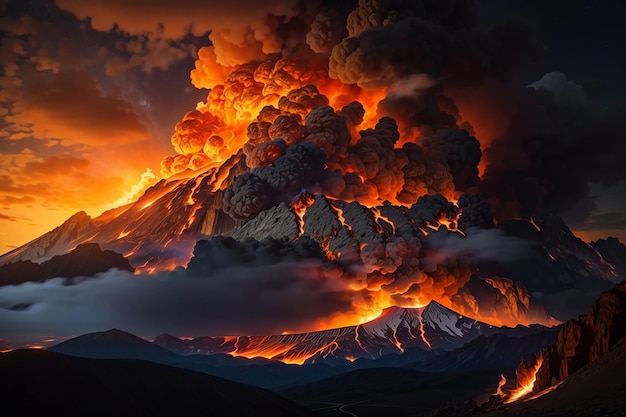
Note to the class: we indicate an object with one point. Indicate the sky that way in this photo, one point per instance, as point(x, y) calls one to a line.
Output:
point(90, 92)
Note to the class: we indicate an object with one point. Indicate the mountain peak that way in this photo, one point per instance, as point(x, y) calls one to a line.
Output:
point(114, 343)
point(56, 242)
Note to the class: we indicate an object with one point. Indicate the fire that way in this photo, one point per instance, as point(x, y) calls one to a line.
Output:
point(397, 342)
point(525, 381)
point(272, 105)
point(123, 234)
point(147, 179)
point(499, 391)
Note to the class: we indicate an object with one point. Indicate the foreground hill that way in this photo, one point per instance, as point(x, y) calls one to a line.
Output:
point(392, 391)
point(38, 382)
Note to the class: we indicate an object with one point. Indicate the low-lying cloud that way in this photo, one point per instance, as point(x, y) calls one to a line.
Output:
point(236, 300)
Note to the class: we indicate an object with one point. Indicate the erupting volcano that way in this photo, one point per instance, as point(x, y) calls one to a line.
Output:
point(337, 194)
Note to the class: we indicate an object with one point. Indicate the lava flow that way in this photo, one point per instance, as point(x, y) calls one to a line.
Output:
point(525, 380)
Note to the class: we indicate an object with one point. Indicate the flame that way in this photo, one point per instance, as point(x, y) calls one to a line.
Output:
point(499, 391)
point(397, 342)
point(525, 381)
point(217, 128)
point(123, 234)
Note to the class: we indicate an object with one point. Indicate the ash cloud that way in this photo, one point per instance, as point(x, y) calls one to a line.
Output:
point(445, 42)
point(266, 186)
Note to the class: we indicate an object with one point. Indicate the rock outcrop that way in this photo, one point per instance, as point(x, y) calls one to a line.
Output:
point(586, 339)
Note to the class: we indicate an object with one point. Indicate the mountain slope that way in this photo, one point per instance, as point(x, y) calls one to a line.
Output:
point(396, 329)
point(39, 382)
point(158, 230)
point(56, 242)
point(597, 389)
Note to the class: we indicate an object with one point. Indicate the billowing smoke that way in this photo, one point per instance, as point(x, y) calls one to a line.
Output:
point(396, 39)
point(265, 186)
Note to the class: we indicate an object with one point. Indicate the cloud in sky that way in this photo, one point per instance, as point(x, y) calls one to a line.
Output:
point(68, 106)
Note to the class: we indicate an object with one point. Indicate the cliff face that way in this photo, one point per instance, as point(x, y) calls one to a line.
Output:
point(586, 339)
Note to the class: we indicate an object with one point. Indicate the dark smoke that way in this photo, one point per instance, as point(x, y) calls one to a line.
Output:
point(556, 144)
point(302, 164)
point(393, 40)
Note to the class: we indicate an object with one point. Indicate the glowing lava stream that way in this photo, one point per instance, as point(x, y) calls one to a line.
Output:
point(525, 383)
point(272, 347)
point(422, 331)
point(499, 391)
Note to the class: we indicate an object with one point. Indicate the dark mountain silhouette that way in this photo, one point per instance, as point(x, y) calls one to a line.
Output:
point(581, 374)
point(496, 351)
point(114, 344)
point(85, 260)
point(37, 382)
point(118, 344)
point(597, 389)
point(586, 339)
